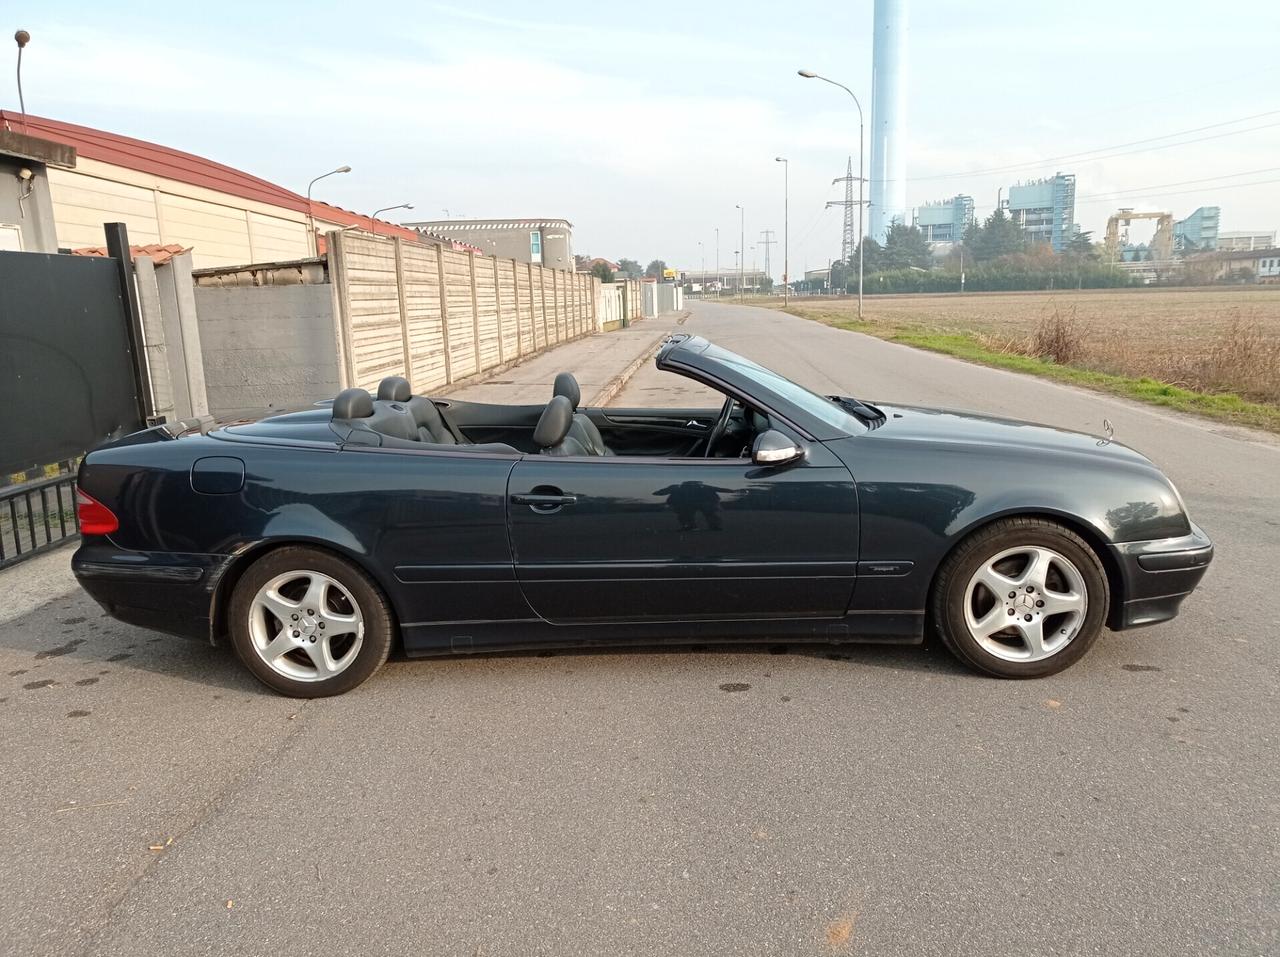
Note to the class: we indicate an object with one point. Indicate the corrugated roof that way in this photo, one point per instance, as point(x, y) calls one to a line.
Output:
point(458, 225)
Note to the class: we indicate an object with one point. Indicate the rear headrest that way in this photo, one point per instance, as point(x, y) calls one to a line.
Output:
point(353, 404)
point(394, 388)
point(554, 424)
point(567, 386)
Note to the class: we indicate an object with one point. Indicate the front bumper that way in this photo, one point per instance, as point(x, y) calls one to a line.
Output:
point(1157, 576)
point(166, 591)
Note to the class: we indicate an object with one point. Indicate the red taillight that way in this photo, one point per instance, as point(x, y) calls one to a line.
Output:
point(95, 518)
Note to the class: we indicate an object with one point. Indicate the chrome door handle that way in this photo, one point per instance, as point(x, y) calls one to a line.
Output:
point(544, 501)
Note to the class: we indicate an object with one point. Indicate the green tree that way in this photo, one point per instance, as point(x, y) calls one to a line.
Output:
point(1081, 246)
point(602, 272)
point(655, 269)
point(905, 247)
point(997, 236)
point(630, 268)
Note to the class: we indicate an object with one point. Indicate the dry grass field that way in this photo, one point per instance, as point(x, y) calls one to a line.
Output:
point(1217, 342)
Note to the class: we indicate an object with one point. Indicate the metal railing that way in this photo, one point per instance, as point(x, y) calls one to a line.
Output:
point(37, 516)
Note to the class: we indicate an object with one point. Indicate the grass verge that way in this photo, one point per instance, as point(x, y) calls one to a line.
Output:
point(1224, 407)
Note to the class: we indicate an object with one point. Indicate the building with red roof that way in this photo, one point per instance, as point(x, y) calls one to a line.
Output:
point(167, 197)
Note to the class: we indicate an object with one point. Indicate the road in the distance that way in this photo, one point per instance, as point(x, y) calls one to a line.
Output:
point(881, 802)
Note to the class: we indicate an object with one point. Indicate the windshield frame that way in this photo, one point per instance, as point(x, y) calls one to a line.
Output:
point(820, 419)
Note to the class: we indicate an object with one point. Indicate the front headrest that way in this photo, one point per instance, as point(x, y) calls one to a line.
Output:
point(353, 404)
point(567, 386)
point(554, 424)
point(394, 388)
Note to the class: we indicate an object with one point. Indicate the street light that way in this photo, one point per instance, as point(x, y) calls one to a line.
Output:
point(311, 220)
point(742, 245)
point(810, 75)
point(373, 220)
point(786, 199)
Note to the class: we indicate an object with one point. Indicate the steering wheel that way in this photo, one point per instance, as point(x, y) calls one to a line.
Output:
point(721, 426)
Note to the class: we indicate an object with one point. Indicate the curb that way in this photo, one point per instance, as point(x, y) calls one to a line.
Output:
point(616, 384)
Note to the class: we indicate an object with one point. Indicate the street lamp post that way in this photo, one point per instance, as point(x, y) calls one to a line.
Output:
point(742, 246)
point(786, 218)
point(373, 220)
point(810, 75)
point(311, 220)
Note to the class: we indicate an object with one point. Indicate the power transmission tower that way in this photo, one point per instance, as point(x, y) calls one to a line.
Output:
point(767, 240)
point(849, 239)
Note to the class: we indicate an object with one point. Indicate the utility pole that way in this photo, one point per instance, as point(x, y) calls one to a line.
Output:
point(862, 176)
point(847, 238)
point(717, 262)
point(742, 246)
point(786, 225)
point(767, 240)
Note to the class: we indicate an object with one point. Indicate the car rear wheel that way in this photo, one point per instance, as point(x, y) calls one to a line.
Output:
point(309, 624)
point(1022, 598)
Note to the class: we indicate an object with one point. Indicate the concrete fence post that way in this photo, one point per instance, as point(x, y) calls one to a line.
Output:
point(515, 286)
point(475, 311)
point(404, 310)
point(444, 316)
point(542, 295)
point(335, 243)
point(497, 305)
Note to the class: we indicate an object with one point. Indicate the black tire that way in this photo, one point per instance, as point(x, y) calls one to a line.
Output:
point(378, 620)
point(951, 592)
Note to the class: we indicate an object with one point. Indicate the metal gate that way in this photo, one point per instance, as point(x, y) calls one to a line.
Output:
point(68, 380)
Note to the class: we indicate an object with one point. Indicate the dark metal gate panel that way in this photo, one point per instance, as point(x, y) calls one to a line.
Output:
point(67, 381)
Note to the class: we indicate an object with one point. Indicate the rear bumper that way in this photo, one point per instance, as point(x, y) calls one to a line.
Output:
point(1158, 575)
point(165, 591)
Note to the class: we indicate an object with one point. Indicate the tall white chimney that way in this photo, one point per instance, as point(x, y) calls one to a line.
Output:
point(888, 173)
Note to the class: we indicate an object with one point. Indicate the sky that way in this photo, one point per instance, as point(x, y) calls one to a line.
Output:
point(645, 125)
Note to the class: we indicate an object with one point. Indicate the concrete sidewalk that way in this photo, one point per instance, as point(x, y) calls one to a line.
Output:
point(602, 364)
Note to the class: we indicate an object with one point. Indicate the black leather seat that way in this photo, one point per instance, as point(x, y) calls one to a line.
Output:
point(551, 434)
point(582, 429)
point(426, 417)
point(359, 419)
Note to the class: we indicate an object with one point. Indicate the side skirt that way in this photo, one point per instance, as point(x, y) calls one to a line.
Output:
point(446, 638)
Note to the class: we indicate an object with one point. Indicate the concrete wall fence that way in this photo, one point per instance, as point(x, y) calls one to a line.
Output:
point(279, 335)
point(394, 318)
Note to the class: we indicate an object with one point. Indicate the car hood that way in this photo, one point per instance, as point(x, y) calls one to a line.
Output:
point(920, 423)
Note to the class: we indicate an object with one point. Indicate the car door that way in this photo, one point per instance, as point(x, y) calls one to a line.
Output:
point(623, 538)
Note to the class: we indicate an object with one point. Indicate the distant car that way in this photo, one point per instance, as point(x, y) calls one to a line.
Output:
point(317, 541)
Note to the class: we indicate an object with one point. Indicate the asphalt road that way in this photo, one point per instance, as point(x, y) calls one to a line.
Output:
point(875, 801)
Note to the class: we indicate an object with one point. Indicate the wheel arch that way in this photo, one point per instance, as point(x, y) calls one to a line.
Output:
point(1073, 523)
point(234, 570)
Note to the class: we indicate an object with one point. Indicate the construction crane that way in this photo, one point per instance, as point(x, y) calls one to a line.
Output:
point(1161, 242)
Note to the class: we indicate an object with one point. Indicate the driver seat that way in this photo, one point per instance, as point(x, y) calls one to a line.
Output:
point(582, 429)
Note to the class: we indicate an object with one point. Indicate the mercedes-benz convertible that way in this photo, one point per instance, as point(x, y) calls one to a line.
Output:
point(316, 542)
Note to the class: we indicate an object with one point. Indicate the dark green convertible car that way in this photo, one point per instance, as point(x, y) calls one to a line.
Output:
point(316, 541)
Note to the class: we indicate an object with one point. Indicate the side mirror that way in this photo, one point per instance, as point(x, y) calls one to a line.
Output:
point(773, 448)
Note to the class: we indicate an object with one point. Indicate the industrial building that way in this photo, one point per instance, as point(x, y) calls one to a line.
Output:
point(945, 220)
point(1245, 240)
point(1045, 209)
point(546, 242)
point(1199, 231)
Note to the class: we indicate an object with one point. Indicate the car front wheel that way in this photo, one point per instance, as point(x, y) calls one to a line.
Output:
point(309, 624)
point(1022, 598)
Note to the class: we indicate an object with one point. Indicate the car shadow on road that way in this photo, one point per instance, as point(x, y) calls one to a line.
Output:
point(71, 640)
point(891, 657)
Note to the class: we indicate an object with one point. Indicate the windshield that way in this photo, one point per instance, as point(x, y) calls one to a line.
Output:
point(818, 406)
